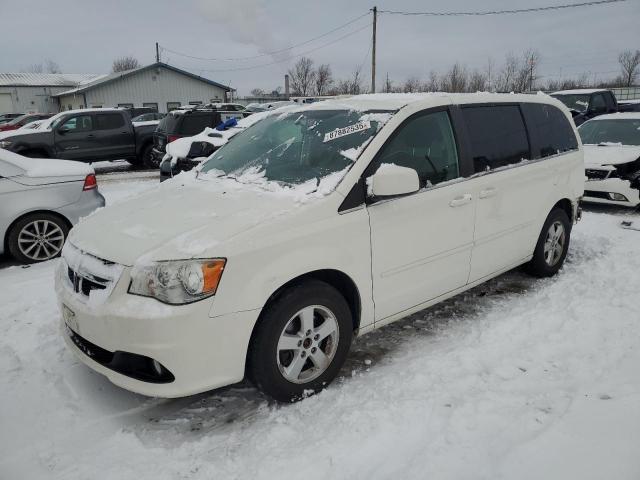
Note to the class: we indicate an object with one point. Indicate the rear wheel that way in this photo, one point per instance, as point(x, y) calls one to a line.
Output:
point(553, 244)
point(301, 342)
point(148, 159)
point(37, 237)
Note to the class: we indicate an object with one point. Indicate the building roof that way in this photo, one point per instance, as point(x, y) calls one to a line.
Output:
point(112, 77)
point(46, 79)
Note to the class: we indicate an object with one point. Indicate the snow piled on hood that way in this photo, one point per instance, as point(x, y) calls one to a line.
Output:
point(610, 154)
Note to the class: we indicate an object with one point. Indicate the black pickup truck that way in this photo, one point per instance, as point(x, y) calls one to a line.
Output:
point(86, 135)
point(586, 104)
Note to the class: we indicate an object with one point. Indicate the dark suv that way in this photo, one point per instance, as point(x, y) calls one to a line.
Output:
point(586, 104)
point(186, 123)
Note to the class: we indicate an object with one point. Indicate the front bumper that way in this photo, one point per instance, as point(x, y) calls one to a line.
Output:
point(200, 352)
point(611, 191)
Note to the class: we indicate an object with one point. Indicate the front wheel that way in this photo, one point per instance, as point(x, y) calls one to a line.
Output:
point(301, 341)
point(553, 245)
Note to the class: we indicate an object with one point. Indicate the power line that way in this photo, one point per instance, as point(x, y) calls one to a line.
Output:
point(266, 54)
point(290, 57)
point(501, 12)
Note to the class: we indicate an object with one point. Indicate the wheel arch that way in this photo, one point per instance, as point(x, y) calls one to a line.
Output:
point(7, 232)
point(566, 205)
point(339, 280)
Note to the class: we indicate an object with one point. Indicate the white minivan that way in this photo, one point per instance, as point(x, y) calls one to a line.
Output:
point(314, 226)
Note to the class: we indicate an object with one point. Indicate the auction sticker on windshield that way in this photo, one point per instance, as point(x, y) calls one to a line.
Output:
point(348, 130)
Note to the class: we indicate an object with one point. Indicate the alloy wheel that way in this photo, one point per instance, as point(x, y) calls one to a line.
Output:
point(40, 240)
point(307, 344)
point(554, 243)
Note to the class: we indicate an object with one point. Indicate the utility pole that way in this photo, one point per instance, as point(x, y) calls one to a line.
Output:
point(373, 52)
point(531, 64)
point(157, 53)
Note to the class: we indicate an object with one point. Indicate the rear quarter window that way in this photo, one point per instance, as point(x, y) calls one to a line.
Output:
point(550, 128)
point(194, 124)
point(497, 135)
point(109, 121)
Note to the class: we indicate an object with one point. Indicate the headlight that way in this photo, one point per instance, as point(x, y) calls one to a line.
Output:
point(5, 143)
point(177, 282)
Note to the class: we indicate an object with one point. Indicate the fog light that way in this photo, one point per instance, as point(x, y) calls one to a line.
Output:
point(618, 197)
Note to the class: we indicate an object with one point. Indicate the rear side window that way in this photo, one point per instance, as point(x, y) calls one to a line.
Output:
point(109, 121)
point(498, 136)
point(194, 124)
point(552, 130)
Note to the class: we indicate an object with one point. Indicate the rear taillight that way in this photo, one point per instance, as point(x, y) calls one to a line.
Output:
point(171, 138)
point(90, 182)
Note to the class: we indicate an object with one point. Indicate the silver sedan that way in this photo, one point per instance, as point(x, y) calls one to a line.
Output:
point(40, 200)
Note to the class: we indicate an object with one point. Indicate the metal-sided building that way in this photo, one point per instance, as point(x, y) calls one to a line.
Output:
point(159, 85)
point(34, 92)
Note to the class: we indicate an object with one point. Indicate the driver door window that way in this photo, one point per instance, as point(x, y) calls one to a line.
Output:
point(426, 144)
point(598, 103)
point(81, 123)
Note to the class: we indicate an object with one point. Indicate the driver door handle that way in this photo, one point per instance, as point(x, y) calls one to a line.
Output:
point(460, 201)
point(487, 193)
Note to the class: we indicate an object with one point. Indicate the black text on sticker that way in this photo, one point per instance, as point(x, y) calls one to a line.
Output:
point(348, 130)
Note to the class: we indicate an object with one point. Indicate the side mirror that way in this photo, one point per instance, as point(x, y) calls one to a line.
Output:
point(391, 180)
point(63, 130)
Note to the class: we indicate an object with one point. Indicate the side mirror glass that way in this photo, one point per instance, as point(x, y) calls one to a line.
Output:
point(63, 130)
point(391, 180)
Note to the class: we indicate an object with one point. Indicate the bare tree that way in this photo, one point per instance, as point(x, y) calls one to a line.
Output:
point(323, 79)
point(433, 83)
point(302, 76)
point(48, 66)
point(411, 84)
point(629, 63)
point(477, 82)
point(257, 92)
point(456, 79)
point(122, 64)
point(387, 86)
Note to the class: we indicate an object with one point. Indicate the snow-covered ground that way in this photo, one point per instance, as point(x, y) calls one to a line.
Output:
point(520, 378)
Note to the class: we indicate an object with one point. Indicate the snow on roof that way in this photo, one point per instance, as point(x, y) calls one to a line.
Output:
point(579, 91)
point(46, 79)
point(618, 116)
point(395, 101)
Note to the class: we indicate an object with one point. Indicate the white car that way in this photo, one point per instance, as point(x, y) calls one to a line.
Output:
point(315, 226)
point(612, 159)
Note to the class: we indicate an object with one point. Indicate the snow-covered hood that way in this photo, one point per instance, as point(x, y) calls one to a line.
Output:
point(611, 154)
point(179, 220)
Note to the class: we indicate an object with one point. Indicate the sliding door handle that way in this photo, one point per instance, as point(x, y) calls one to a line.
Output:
point(460, 201)
point(487, 193)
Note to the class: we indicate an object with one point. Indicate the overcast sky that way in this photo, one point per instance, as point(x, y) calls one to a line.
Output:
point(84, 36)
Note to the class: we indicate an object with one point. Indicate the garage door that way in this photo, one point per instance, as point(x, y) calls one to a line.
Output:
point(5, 103)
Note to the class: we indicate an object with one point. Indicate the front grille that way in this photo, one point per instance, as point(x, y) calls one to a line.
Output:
point(87, 273)
point(84, 283)
point(593, 174)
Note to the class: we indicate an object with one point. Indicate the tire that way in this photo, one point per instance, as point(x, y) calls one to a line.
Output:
point(553, 245)
point(317, 352)
point(37, 237)
point(148, 159)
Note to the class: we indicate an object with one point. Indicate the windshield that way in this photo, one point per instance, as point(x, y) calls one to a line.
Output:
point(626, 132)
point(295, 147)
point(579, 103)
